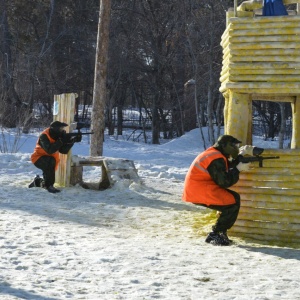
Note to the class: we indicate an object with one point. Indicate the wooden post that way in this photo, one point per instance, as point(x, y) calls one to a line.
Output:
point(295, 142)
point(64, 111)
point(238, 109)
point(226, 100)
point(235, 7)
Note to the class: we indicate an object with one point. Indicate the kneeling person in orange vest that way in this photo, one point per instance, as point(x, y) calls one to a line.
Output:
point(51, 142)
point(207, 183)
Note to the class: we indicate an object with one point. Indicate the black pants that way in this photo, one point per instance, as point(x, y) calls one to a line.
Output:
point(229, 213)
point(47, 165)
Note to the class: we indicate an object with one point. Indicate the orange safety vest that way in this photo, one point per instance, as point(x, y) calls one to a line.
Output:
point(199, 186)
point(39, 151)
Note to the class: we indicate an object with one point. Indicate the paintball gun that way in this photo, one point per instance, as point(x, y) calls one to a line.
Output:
point(256, 157)
point(75, 136)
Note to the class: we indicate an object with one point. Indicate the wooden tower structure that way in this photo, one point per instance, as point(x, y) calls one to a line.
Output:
point(261, 61)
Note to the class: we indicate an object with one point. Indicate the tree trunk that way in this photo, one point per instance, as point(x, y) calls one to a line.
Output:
point(100, 90)
point(110, 121)
point(120, 119)
point(155, 124)
point(219, 114)
point(282, 125)
point(11, 101)
point(210, 100)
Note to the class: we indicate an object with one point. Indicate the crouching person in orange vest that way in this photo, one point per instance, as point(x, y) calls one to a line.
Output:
point(207, 182)
point(51, 142)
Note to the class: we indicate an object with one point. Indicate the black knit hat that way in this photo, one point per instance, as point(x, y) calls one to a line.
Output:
point(57, 124)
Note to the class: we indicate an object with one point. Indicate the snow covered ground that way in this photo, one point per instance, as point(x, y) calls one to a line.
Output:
point(133, 241)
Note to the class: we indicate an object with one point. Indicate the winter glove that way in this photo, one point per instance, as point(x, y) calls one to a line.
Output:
point(76, 139)
point(246, 150)
point(243, 167)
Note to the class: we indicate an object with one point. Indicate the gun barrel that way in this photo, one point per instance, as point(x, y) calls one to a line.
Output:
point(269, 157)
point(246, 159)
point(260, 159)
point(70, 134)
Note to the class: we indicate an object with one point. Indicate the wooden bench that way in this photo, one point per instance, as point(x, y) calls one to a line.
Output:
point(112, 170)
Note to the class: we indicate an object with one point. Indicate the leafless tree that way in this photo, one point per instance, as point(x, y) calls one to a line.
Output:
point(100, 90)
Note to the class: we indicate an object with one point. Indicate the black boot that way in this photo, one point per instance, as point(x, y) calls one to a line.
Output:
point(52, 189)
point(37, 182)
point(216, 239)
point(225, 236)
point(222, 234)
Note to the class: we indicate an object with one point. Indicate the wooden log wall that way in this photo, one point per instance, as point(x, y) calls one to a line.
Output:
point(261, 55)
point(270, 199)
